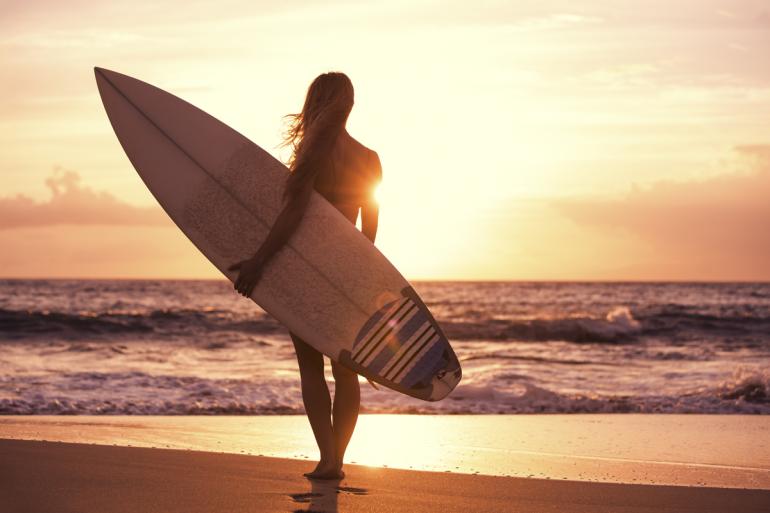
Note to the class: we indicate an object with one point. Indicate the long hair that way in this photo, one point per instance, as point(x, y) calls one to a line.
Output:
point(311, 133)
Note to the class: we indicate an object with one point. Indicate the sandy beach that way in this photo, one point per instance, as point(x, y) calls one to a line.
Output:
point(569, 463)
point(59, 477)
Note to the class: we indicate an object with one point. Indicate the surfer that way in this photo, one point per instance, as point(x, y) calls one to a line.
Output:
point(325, 158)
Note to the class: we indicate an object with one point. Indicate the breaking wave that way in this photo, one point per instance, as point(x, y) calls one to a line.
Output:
point(746, 393)
point(196, 347)
point(26, 324)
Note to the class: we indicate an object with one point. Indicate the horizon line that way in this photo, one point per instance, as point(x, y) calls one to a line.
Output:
point(422, 280)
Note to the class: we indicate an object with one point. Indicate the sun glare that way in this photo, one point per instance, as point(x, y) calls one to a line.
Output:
point(376, 193)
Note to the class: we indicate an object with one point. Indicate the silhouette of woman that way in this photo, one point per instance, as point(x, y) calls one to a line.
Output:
point(325, 158)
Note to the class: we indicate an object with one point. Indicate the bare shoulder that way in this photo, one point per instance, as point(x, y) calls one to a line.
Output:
point(375, 166)
point(367, 160)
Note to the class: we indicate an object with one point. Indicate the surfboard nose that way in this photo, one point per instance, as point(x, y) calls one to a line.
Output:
point(104, 75)
point(101, 76)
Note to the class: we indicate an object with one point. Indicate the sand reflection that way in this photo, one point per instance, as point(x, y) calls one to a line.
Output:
point(324, 496)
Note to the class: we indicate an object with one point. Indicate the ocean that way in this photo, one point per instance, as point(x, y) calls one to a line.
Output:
point(135, 347)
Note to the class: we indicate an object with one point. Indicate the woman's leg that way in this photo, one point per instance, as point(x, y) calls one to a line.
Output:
point(347, 399)
point(315, 396)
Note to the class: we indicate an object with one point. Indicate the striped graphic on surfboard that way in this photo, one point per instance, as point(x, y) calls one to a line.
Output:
point(398, 343)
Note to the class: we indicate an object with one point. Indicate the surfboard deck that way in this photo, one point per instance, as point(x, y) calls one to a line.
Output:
point(329, 285)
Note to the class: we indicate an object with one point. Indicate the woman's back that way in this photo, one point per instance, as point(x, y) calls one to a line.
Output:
point(349, 182)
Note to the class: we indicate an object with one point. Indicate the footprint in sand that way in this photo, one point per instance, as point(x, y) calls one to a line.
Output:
point(305, 497)
point(352, 490)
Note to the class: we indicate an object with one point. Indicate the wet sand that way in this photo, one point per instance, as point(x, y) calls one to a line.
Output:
point(61, 477)
point(719, 451)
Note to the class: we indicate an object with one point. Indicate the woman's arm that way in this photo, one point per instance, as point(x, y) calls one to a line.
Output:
point(370, 214)
point(281, 231)
point(285, 224)
point(370, 210)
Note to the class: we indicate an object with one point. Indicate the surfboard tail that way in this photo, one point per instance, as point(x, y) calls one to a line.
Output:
point(403, 347)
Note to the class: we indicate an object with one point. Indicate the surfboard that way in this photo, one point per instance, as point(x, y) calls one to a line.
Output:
point(329, 284)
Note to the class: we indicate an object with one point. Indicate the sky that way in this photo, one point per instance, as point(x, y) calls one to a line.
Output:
point(547, 140)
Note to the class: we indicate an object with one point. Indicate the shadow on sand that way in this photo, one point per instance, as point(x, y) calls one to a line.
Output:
point(324, 495)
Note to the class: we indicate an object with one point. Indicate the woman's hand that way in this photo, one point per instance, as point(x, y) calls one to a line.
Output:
point(283, 227)
point(251, 272)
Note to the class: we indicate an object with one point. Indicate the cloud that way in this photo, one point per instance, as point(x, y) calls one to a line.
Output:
point(74, 204)
point(719, 225)
point(101, 251)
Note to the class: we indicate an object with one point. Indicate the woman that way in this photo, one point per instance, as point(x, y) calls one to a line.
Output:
point(326, 159)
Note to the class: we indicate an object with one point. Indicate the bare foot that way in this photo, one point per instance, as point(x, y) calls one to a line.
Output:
point(332, 474)
point(318, 466)
point(325, 470)
point(321, 466)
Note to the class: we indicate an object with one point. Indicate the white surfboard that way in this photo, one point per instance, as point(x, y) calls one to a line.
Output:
point(329, 284)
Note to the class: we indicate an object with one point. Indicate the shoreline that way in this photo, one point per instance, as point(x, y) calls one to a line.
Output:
point(80, 477)
point(723, 451)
